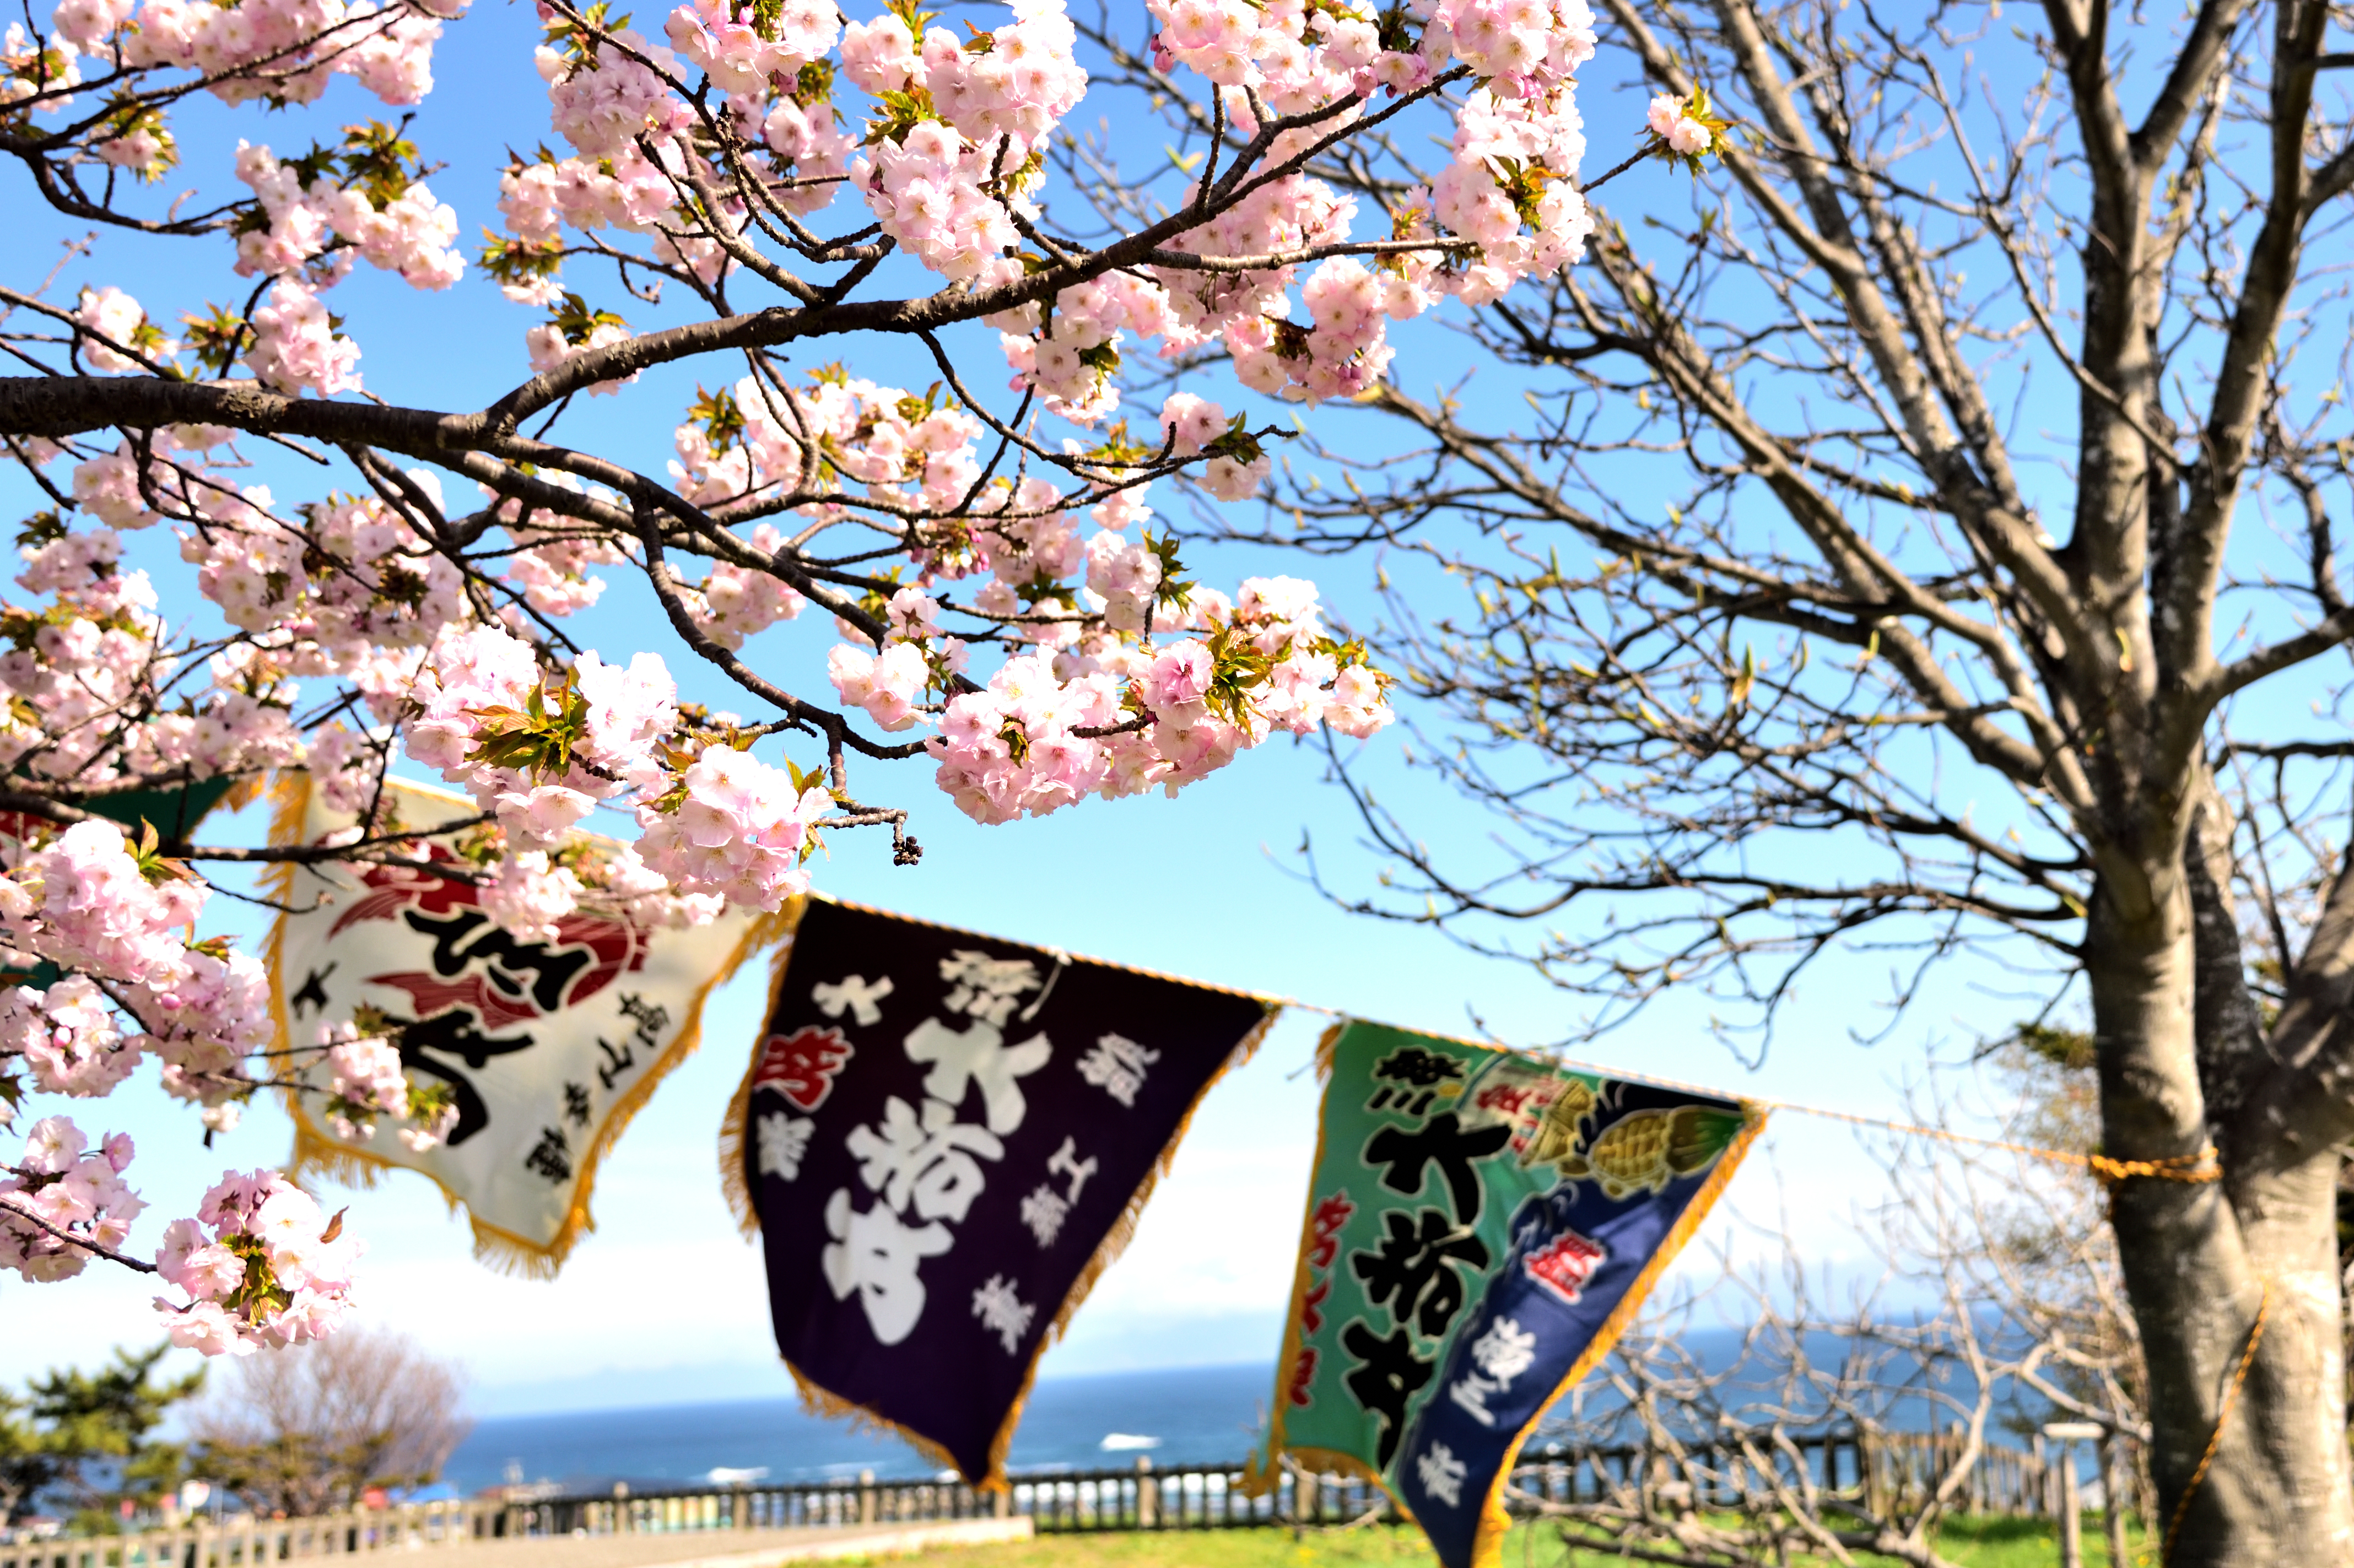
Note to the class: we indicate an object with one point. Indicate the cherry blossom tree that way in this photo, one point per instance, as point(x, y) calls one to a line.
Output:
point(1006, 612)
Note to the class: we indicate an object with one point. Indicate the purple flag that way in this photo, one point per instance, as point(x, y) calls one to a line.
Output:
point(945, 1138)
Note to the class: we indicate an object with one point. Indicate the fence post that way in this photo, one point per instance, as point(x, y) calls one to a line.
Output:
point(866, 1496)
point(2072, 1516)
point(2113, 1496)
point(1148, 1495)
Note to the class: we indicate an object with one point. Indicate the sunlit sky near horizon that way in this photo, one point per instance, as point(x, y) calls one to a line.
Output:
point(664, 1299)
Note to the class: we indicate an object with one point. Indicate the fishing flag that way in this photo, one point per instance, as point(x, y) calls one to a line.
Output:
point(1481, 1227)
point(943, 1138)
point(547, 1048)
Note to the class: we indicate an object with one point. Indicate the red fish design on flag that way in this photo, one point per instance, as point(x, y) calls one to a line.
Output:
point(588, 955)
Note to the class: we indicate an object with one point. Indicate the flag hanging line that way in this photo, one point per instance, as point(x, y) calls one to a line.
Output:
point(2200, 1167)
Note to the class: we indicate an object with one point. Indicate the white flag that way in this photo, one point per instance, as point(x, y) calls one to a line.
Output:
point(547, 1048)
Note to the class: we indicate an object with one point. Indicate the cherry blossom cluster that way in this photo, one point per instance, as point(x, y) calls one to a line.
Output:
point(396, 223)
point(285, 51)
point(60, 1199)
point(1019, 564)
point(296, 347)
point(950, 184)
point(734, 828)
point(120, 329)
point(365, 1080)
point(540, 747)
point(534, 893)
point(86, 671)
point(260, 1266)
point(1670, 121)
point(950, 173)
point(538, 752)
point(1111, 717)
point(280, 51)
point(89, 655)
point(117, 922)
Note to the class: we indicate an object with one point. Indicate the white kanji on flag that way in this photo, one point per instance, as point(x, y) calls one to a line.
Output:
point(855, 993)
point(928, 1162)
point(986, 988)
point(1442, 1474)
point(1044, 1211)
point(978, 1056)
point(1116, 1064)
point(876, 1255)
point(1002, 1312)
point(1505, 1351)
point(1471, 1391)
point(1063, 1163)
point(1502, 1353)
point(784, 1140)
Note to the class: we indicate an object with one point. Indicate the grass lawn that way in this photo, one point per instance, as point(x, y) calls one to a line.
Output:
point(1972, 1543)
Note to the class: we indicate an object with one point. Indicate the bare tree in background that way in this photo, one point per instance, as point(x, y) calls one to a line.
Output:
point(2000, 1307)
point(308, 1431)
point(1921, 540)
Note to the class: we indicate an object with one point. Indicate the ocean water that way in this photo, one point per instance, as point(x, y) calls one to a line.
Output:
point(1189, 1416)
point(1192, 1416)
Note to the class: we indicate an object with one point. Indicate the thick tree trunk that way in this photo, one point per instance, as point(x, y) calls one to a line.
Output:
point(2202, 1259)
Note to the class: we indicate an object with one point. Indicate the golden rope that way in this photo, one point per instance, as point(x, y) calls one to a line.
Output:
point(2200, 1166)
point(2215, 1439)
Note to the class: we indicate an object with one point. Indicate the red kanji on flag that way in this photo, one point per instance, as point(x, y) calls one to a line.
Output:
point(1564, 1263)
point(802, 1066)
point(1311, 1305)
point(1506, 1098)
point(1303, 1375)
point(1330, 1216)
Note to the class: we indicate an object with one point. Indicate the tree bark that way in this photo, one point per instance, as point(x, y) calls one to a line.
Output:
point(2202, 1259)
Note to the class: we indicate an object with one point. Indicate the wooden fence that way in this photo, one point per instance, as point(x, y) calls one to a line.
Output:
point(1184, 1496)
point(241, 1540)
point(1883, 1470)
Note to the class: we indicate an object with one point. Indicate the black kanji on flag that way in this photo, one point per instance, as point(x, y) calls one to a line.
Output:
point(940, 1129)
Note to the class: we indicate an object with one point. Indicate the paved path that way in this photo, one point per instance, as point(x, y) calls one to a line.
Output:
point(720, 1548)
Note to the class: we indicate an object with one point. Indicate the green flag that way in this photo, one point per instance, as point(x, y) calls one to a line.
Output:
point(1480, 1228)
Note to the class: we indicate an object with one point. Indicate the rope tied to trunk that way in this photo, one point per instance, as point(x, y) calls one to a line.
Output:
point(2202, 1166)
point(2223, 1415)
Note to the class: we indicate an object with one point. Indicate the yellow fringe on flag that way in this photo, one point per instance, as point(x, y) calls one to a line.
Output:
point(735, 1123)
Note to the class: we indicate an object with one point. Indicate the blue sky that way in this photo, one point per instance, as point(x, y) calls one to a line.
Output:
point(664, 1299)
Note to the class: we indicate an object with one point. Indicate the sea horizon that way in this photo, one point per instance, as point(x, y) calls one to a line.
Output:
point(1182, 1414)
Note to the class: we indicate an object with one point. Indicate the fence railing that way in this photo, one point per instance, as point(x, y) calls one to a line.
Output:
point(1878, 1469)
point(1182, 1497)
point(245, 1542)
